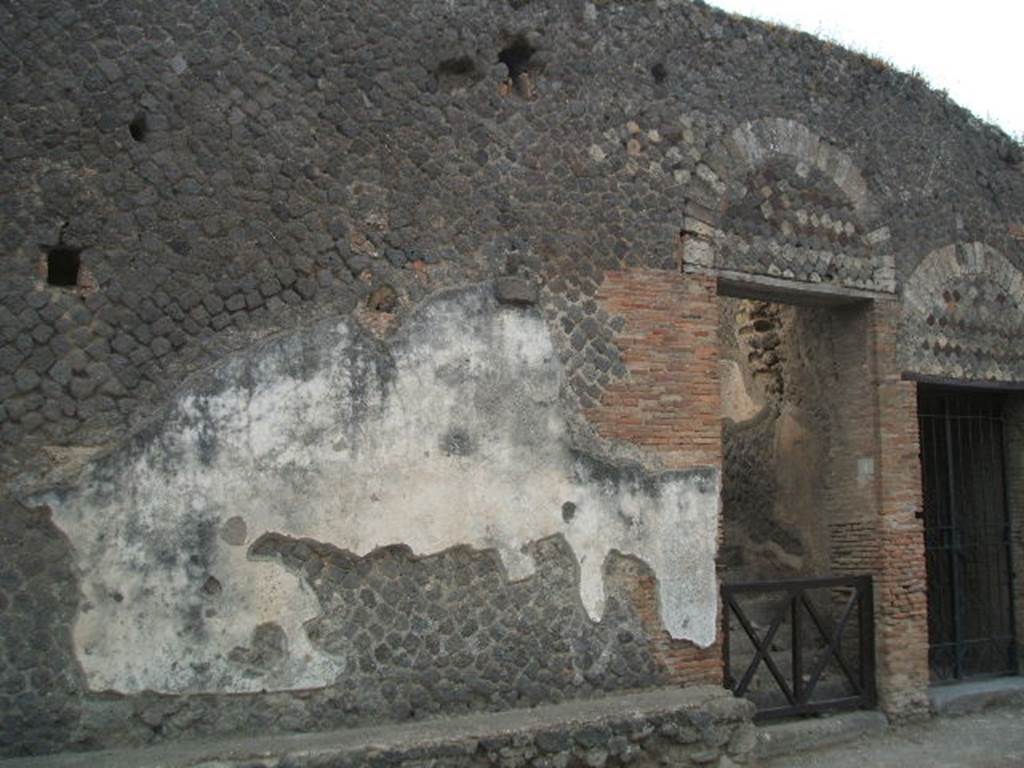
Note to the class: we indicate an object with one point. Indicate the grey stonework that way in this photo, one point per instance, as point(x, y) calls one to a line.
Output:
point(41, 686)
point(229, 172)
point(445, 634)
point(699, 725)
point(964, 315)
point(484, 645)
point(449, 632)
point(802, 211)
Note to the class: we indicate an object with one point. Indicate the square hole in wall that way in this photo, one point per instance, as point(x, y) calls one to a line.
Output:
point(62, 265)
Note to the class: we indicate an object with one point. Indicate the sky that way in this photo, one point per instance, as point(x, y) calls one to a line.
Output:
point(972, 50)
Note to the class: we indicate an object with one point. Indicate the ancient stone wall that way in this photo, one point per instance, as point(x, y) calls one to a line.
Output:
point(901, 606)
point(964, 315)
point(450, 435)
point(404, 528)
point(232, 399)
point(219, 174)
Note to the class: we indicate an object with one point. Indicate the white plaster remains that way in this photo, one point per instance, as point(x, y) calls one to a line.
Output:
point(737, 404)
point(452, 435)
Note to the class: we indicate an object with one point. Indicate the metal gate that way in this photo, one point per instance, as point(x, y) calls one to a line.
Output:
point(967, 534)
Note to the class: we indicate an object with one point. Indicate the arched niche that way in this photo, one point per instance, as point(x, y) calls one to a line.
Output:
point(963, 315)
point(786, 205)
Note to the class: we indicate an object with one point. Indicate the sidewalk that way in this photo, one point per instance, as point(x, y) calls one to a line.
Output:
point(993, 738)
point(695, 725)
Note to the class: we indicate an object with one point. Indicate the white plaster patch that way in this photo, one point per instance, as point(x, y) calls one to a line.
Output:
point(865, 471)
point(453, 436)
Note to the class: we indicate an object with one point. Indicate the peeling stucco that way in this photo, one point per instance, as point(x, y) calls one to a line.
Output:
point(451, 434)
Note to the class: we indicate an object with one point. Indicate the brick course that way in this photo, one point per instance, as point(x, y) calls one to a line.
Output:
point(670, 404)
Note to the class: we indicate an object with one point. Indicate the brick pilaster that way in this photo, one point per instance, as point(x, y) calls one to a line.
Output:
point(901, 597)
point(669, 406)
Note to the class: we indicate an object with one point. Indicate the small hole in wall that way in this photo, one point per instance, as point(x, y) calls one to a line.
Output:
point(568, 511)
point(516, 56)
point(62, 265)
point(659, 73)
point(138, 127)
point(384, 299)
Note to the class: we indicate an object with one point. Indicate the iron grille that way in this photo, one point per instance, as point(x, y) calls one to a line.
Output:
point(967, 534)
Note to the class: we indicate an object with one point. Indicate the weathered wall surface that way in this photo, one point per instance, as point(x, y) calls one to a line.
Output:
point(778, 440)
point(449, 436)
point(221, 175)
point(964, 315)
point(228, 172)
point(40, 682)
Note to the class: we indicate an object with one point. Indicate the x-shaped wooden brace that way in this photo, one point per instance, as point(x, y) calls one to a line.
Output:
point(762, 652)
point(834, 643)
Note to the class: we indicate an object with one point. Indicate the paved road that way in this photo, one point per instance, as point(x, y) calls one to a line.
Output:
point(990, 739)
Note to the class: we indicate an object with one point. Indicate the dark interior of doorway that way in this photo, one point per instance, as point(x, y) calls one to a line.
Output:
point(967, 533)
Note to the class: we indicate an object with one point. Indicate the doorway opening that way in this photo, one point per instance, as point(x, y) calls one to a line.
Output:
point(798, 501)
point(968, 533)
